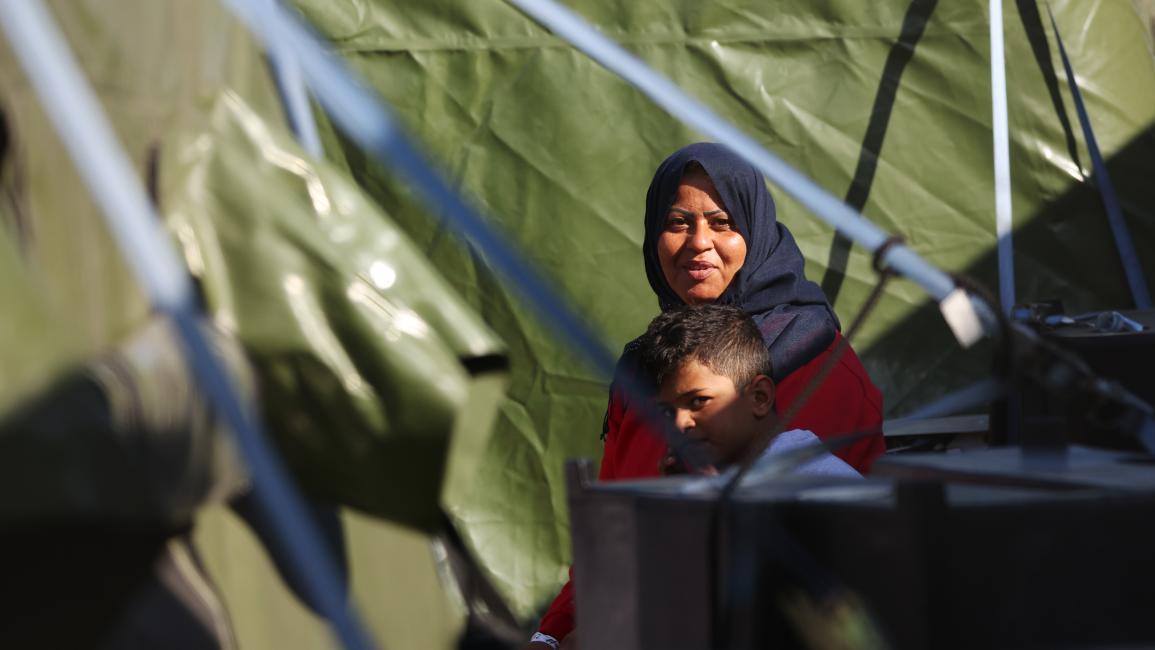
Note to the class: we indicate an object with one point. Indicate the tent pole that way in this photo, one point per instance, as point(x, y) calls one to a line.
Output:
point(294, 97)
point(1002, 160)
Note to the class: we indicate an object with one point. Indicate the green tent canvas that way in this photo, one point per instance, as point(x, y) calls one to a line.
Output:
point(558, 152)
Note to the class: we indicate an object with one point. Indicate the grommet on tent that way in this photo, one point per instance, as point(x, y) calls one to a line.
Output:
point(880, 255)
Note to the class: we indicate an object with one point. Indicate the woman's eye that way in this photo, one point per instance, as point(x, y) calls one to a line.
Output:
point(677, 223)
point(722, 223)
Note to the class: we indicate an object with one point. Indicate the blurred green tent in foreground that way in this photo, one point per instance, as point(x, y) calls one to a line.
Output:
point(377, 380)
point(886, 103)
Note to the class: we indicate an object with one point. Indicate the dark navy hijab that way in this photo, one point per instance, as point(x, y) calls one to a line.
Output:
point(796, 321)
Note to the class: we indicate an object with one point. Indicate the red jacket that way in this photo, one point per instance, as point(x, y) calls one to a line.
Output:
point(847, 401)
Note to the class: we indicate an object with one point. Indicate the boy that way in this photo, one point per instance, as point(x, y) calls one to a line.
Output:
point(712, 374)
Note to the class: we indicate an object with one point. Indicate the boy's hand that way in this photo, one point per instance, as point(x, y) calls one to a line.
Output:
point(671, 465)
point(568, 643)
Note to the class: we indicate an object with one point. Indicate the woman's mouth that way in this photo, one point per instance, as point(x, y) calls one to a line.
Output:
point(699, 271)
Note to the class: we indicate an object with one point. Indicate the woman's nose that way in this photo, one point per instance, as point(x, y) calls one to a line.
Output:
point(701, 237)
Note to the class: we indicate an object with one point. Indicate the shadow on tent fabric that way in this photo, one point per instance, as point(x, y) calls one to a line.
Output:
point(1065, 251)
point(913, 26)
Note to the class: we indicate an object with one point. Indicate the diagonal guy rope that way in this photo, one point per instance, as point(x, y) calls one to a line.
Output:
point(1132, 267)
point(366, 119)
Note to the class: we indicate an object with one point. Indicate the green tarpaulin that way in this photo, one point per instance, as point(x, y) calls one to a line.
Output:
point(558, 152)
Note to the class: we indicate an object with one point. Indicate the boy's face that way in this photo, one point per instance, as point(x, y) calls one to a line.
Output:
point(707, 406)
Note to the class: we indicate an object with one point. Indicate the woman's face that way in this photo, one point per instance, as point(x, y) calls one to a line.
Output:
point(700, 248)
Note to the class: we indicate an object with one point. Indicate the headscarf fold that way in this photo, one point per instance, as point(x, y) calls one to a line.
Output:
point(796, 321)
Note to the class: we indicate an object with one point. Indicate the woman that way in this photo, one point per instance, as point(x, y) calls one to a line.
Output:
point(712, 236)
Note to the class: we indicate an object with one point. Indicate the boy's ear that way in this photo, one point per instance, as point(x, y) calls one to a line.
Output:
point(761, 395)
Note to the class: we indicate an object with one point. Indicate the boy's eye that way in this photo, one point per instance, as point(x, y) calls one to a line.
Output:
point(698, 402)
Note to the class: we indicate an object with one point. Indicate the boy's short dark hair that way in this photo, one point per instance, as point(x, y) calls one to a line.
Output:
point(721, 337)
